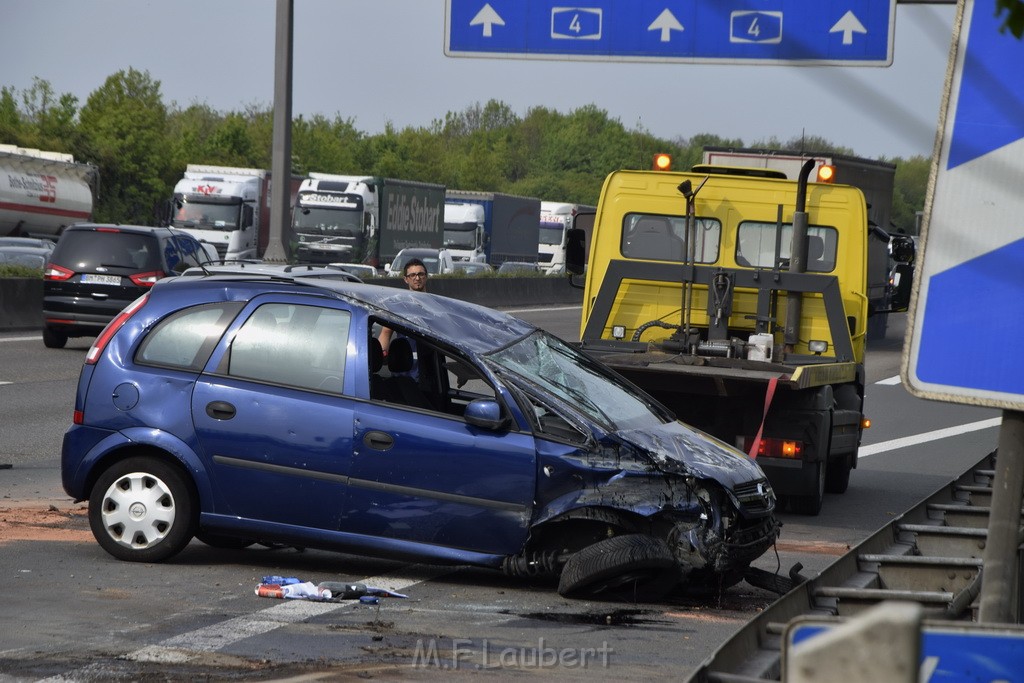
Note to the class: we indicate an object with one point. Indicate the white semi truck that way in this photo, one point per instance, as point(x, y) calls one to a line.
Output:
point(556, 218)
point(465, 235)
point(42, 192)
point(227, 207)
point(364, 219)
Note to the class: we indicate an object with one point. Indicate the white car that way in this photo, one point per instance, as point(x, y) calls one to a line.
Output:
point(437, 261)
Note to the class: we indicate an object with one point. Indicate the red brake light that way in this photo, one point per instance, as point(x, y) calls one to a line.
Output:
point(96, 350)
point(146, 279)
point(55, 272)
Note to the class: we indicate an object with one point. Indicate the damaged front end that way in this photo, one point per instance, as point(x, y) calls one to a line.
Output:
point(713, 511)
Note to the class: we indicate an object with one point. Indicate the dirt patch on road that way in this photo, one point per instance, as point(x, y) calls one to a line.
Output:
point(48, 523)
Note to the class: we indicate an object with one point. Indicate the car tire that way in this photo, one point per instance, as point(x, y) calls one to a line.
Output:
point(224, 542)
point(143, 510)
point(54, 340)
point(635, 567)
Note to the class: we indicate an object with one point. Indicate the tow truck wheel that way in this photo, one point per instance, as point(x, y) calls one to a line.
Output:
point(837, 478)
point(811, 504)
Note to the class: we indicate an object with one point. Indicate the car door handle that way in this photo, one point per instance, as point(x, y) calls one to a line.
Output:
point(377, 440)
point(220, 410)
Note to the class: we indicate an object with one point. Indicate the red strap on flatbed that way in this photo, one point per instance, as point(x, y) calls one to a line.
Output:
point(769, 395)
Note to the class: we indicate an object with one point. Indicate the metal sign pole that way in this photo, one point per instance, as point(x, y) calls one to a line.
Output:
point(999, 585)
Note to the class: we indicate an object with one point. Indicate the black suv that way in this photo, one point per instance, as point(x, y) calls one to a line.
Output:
point(97, 270)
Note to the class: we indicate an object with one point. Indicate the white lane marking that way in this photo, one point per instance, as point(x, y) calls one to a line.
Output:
point(18, 339)
point(890, 381)
point(186, 646)
point(917, 439)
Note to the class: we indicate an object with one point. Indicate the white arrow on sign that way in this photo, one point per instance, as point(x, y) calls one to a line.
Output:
point(848, 25)
point(666, 23)
point(488, 17)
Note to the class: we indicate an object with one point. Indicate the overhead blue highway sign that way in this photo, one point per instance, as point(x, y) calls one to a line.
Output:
point(967, 321)
point(795, 32)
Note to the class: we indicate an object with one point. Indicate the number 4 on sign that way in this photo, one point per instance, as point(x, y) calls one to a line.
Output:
point(755, 27)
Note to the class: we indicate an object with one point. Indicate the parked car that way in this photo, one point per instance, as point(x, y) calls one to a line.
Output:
point(26, 257)
point(436, 261)
point(96, 270)
point(518, 268)
point(472, 268)
point(254, 409)
point(31, 242)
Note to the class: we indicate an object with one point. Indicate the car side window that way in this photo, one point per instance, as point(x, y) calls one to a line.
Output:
point(186, 339)
point(418, 374)
point(292, 345)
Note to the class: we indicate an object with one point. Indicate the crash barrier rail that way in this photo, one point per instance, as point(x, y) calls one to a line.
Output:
point(929, 557)
point(21, 299)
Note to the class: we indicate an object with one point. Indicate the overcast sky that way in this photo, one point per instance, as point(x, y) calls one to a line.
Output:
point(379, 61)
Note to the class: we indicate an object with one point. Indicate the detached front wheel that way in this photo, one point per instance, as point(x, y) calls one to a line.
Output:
point(633, 567)
point(143, 510)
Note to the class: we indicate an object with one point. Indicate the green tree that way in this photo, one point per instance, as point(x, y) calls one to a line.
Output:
point(11, 123)
point(123, 127)
point(909, 196)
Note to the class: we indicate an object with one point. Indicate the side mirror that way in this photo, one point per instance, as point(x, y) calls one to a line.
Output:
point(903, 249)
point(485, 413)
point(575, 251)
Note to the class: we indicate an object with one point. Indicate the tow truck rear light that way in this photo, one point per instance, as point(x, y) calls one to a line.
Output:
point(96, 350)
point(826, 174)
point(776, 448)
point(146, 279)
point(54, 272)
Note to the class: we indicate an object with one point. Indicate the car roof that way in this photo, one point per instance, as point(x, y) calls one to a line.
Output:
point(460, 324)
point(284, 270)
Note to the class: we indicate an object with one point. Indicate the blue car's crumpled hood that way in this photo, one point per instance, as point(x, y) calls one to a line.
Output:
point(677, 447)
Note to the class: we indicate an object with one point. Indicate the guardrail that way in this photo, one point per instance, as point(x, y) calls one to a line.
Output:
point(21, 299)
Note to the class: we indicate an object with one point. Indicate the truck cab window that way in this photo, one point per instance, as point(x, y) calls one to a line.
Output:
point(663, 238)
point(755, 246)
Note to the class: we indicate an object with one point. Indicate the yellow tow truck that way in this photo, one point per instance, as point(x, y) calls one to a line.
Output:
point(738, 298)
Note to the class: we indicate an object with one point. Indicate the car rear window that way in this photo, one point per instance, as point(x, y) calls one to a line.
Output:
point(83, 250)
point(186, 339)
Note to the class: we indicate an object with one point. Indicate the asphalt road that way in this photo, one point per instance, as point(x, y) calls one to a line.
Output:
point(71, 612)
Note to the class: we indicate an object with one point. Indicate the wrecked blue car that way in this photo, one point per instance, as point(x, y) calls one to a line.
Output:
point(260, 408)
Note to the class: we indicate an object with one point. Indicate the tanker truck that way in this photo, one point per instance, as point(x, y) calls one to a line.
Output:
point(41, 192)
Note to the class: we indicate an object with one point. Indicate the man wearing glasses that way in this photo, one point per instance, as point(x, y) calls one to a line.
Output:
point(415, 274)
